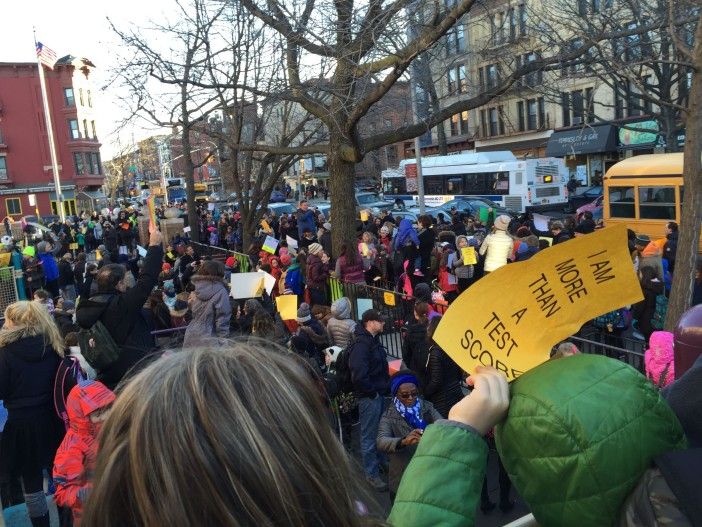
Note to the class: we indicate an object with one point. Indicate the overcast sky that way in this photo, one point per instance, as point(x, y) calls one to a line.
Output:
point(78, 28)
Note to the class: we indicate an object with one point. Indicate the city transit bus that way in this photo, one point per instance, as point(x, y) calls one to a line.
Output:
point(518, 185)
point(645, 193)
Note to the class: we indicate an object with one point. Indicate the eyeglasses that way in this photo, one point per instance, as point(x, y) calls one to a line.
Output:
point(408, 395)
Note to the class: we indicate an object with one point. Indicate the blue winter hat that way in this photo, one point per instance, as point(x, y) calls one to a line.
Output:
point(401, 379)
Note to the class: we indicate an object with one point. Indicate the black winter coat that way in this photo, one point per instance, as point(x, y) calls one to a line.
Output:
point(65, 274)
point(443, 388)
point(415, 351)
point(644, 310)
point(369, 364)
point(121, 313)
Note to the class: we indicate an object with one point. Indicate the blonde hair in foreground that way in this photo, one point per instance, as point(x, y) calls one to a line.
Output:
point(229, 436)
point(29, 319)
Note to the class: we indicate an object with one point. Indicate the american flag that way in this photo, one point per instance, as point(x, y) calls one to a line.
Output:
point(46, 56)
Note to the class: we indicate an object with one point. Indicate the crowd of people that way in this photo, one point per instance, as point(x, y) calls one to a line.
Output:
point(264, 424)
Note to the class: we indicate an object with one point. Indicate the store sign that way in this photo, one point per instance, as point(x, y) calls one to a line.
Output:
point(588, 140)
point(642, 133)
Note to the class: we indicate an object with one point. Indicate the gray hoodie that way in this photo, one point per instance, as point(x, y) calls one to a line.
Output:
point(211, 310)
point(340, 327)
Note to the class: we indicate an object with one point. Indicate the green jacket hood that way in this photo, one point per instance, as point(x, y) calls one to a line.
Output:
point(580, 433)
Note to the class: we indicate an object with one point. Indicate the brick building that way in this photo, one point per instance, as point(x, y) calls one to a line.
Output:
point(25, 161)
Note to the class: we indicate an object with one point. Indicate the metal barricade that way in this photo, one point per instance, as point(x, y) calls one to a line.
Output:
point(8, 286)
point(245, 264)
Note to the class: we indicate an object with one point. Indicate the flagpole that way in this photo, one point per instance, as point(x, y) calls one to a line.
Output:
point(52, 145)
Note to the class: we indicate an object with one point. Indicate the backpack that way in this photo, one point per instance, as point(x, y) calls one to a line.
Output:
point(658, 319)
point(342, 366)
point(69, 374)
point(97, 345)
point(615, 319)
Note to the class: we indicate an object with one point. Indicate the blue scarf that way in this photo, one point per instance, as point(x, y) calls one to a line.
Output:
point(412, 414)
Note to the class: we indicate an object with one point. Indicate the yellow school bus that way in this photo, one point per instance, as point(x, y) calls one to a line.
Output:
point(645, 193)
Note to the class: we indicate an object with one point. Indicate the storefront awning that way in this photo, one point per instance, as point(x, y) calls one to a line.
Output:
point(92, 194)
point(588, 140)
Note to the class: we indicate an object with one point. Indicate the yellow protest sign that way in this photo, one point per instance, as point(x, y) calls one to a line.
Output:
point(549, 298)
point(468, 256)
point(389, 298)
point(364, 215)
point(287, 306)
point(265, 226)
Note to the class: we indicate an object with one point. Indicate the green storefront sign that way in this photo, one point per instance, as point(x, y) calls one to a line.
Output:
point(642, 133)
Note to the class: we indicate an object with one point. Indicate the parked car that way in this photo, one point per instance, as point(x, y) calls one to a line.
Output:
point(277, 196)
point(582, 197)
point(470, 206)
point(595, 207)
point(281, 208)
point(371, 201)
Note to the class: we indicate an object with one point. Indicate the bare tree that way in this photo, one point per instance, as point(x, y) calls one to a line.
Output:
point(117, 169)
point(691, 221)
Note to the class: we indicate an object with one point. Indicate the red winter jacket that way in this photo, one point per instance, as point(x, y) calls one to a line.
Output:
point(75, 458)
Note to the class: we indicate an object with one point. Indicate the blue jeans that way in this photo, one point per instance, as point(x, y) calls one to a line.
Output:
point(369, 412)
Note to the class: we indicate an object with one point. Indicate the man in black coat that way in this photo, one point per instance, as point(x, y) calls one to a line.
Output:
point(369, 374)
point(120, 310)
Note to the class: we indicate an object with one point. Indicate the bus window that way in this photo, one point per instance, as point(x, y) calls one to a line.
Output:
point(454, 186)
point(393, 186)
point(434, 185)
point(621, 202)
point(500, 183)
point(657, 203)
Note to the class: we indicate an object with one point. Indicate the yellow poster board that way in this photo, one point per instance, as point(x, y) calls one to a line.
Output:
point(364, 215)
point(266, 227)
point(287, 306)
point(468, 256)
point(511, 318)
point(389, 299)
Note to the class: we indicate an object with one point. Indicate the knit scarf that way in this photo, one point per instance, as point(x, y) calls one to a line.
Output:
point(411, 414)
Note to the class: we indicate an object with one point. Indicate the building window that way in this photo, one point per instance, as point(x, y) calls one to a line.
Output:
point(80, 94)
point(390, 153)
point(578, 107)
point(462, 80)
point(453, 124)
point(520, 116)
point(452, 81)
point(95, 162)
point(502, 120)
point(14, 206)
point(522, 19)
point(565, 108)
point(85, 129)
point(464, 122)
point(618, 100)
point(3, 167)
point(483, 124)
point(74, 128)
point(92, 124)
point(542, 112)
point(589, 105)
point(79, 163)
point(492, 75)
point(68, 97)
point(512, 24)
point(481, 78)
point(90, 99)
point(493, 121)
point(532, 115)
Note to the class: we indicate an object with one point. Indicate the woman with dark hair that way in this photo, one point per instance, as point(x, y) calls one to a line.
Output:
point(651, 286)
point(160, 314)
point(209, 305)
point(415, 349)
point(349, 267)
point(443, 375)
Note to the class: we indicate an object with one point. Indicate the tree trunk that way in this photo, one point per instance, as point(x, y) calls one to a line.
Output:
point(342, 175)
point(691, 216)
